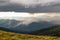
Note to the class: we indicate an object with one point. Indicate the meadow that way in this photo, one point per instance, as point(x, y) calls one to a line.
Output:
point(17, 36)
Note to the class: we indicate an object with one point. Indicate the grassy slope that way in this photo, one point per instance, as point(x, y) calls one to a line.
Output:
point(16, 36)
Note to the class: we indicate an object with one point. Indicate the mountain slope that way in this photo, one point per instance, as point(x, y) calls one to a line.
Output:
point(9, 25)
point(16, 36)
point(52, 31)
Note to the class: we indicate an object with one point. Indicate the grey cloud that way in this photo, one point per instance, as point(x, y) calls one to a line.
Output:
point(9, 6)
point(4, 2)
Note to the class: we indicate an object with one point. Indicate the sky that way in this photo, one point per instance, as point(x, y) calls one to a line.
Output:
point(30, 5)
point(29, 2)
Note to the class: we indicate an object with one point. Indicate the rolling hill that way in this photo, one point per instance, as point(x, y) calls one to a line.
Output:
point(52, 31)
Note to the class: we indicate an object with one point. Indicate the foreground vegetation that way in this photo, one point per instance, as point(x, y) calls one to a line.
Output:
point(16, 36)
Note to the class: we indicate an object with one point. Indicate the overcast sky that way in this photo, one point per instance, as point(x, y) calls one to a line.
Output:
point(29, 2)
point(30, 5)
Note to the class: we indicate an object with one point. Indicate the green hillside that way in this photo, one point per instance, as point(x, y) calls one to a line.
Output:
point(52, 31)
point(16, 36)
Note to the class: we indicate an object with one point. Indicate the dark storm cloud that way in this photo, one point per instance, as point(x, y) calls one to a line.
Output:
point(30, 6)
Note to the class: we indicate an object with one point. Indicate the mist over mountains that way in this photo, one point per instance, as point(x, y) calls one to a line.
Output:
point(27, 22)
point(37, 16)
point(23, 28)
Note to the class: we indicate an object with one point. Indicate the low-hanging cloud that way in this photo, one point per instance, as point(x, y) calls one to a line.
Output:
point(27, 18)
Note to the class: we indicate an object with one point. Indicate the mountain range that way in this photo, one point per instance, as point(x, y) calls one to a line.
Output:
point(4, 24)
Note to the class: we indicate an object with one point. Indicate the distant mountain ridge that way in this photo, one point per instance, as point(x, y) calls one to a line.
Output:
point(21, 28)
